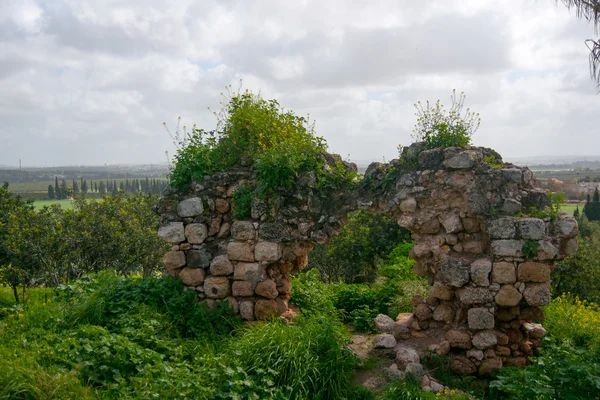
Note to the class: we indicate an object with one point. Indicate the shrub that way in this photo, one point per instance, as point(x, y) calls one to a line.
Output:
point(580, 274)
point(311, 294)
point(440, 128)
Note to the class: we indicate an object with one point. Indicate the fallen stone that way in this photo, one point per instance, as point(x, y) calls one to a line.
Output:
point(406, 355)
point(384, 341)
point(385, 324)
point(535, 331)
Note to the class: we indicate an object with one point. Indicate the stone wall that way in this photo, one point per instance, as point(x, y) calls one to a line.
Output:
point(488, 263)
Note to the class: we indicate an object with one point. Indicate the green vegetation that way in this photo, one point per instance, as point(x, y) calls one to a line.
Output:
point(530, 249)
point(440, 128)
point(493, 162)
point(254, 132)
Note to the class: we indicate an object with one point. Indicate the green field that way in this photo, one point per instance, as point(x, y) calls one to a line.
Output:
point(65, 204)
point(570, 208)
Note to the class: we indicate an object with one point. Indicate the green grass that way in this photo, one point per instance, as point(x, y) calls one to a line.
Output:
point(65, 204)
point(570, 208)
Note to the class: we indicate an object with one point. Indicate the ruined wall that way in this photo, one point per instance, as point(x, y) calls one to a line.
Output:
point(469, 216)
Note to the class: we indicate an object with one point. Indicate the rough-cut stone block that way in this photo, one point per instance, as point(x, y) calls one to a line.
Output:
point(441, 291)
point(512, 175)
point(242, 288)
point(274, 232)
point(508, 248)
point(408, 205)
point(569, 247)
point(174, 259)
point(443, 348)
point(535, 331)
point(451, 223)
point(415, 370)
point(480, 272)
point(537, 294)
point(454, 273)
point(247, 310)
point(511, 206)
point(221, 265)
point(196, 233)
point(172, 232)
point(475, 354)
point(532, 228)
point(423, 312)
point(384, 341)
point(222, 206)
point(534, 272)
point(474, 295)
point(485, 339)
point(430, 226)
point(462, 365)
point(464, 160)
point(474, 246)
point(251, 272)
point(243, 230)
point(480, 318)
point(504, 272)
point(385, 324)
point(265, 309)
point(490, 365)
point(406, 355)
point(508, 296)
point(190, 207)
point(444, 313)
point(217, 287)
point(267, 251)
point(565, 226)
point(503, 228)
point(192, 276)
point(238, 251)
point(546, 251)
point(458, 338)
point(198, 258)
point(267, 288)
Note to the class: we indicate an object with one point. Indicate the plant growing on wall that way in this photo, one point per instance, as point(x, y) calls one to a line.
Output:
point(438, 127)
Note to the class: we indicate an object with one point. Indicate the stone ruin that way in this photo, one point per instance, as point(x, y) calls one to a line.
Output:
point(488, 263)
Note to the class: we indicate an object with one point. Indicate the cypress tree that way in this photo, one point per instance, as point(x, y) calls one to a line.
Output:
point(63, 189)
point(102, 188)
point(75, 188)
point(84, 187)
point(56, 189)
point(50, 192)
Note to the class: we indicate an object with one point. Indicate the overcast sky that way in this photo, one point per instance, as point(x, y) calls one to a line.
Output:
point(91, 81)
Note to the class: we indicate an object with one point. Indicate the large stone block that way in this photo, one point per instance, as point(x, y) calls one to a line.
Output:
point(444, 313)
point(196, 233)
point(485, 339)
point(534, 272)
point(243, 230)
point(192, 276)
point(537, 294)
point(174, 259)
point(454, 273)
point(251, 272)
point(451, 223)
point(198, 258)
point(265, 309)
point(172, 232)
point(242, 288)
point(508, 248)
point(217, 287)
point(458, 338)
point(221, 265)
point(463, 160)
point(239, 251)
point(565, 226)
point(504, 272)
point(190, 207)
point(503, 228)
point(267, 251)
point(462, 365)
point(532, 228)
point(267, 288)
point(474, 295)
point(480, 318)
point(441, 291)
point(508, 296)
point(247, 310)
point(480, 272)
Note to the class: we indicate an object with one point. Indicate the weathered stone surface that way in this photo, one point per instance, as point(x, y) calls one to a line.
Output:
point(464, 160)
point(458, 338)
point(246, 310)
point(423, 312)
point(454, 273)
point(516, 362)
point(441, 291)
point(443, 348)
point(222, 206)
point(490, 365)
point(503, 228)
point(534, 272)
point(504, 272)
point(535, 331)
point(415, 370)
point(405, 319)
point(532, 228)
point(190, 207)
point(475, 354)
point(221, 265)
point(267, 251)
point(172, 232)
point(513, 175)
point(267, 288)
point(565, 226)
point(192, 276)
point(265, 309)
point(243, 230)
point(480, 272)
point(196, 233)
point(217, 287)
point(451, 223)
point(537, 294)
point(532, 314)
point(462, 365)
point(480, 318)
point(384, 341)
point(242, 288)
point(238, 251)
point(444, 313)
point(474, 295)
point(385, 324)
point(408, 205)
point(406, 355)
point(508, 248)
point(511, 206)
point(485, 339)
point(174, 259)
point(508, 296)
point(251, 272)
point(546, 251)
point(198, 258)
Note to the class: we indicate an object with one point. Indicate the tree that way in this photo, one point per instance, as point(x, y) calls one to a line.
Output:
point(102, 188)
point(75, 188)
point(84, 187)
point(63, 189)
point(50, 192)
point(590, 11)
point(591, 209)
point(576, 212)
point(57, 193)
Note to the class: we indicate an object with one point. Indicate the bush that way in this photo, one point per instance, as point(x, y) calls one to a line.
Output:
point(440, 128)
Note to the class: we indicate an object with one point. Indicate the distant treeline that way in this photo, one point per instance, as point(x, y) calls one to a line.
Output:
point(81, 187)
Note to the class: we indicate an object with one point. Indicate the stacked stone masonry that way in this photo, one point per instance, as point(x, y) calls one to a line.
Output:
point(488, 263)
